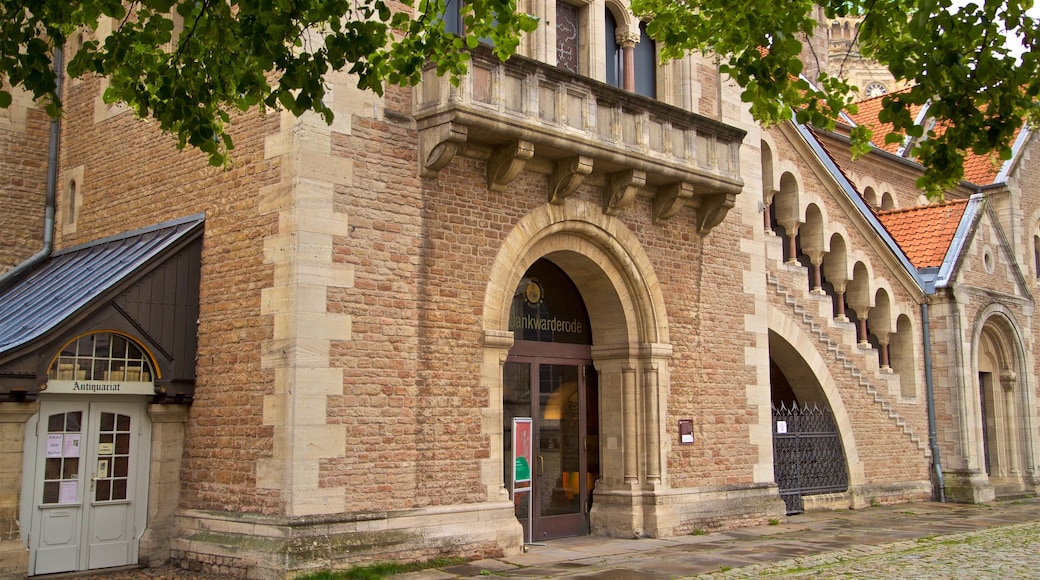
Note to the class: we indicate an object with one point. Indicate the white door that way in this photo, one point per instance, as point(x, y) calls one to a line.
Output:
point(88, 485)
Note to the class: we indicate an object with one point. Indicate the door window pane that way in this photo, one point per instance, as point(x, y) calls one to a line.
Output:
point(111, 473)
point(61, 454)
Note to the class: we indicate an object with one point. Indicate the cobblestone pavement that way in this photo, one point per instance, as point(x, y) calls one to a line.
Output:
point(924, 540)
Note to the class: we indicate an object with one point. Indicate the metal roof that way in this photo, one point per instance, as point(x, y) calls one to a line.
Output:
point(71, 279)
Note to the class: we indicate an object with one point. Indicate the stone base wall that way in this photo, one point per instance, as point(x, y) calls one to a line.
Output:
point(269, 547)
point(679, 512)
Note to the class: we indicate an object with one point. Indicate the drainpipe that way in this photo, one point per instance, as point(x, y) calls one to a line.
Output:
point(52, 184)
point(933, 439)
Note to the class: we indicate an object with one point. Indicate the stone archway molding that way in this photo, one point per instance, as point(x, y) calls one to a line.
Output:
point(630, 350)
point(788, 330)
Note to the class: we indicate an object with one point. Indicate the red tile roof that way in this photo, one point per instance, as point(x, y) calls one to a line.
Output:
point(925, 233)
point(978, 169)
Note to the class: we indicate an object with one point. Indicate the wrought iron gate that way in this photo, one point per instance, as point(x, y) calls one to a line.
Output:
point(807, 454)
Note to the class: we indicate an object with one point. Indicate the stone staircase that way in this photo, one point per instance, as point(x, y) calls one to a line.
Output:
point(837, 349)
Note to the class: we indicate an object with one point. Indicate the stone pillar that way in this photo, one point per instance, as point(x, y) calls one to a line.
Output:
point(1007, 382)
point(652, 425)
point(792, 246)
point(839, 297)
point(628, 385)
point(861, 328)
point(14, 555)
point(628, 41)
point(164, 481)
point(883, 355)
point(816, 277)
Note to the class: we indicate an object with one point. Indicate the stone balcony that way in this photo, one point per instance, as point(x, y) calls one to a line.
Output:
point(523, 114)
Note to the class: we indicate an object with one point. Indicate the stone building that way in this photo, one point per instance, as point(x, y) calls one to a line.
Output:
point(328, 353)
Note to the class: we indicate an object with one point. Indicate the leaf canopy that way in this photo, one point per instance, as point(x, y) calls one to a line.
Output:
point(188, 63)
point(957, 59)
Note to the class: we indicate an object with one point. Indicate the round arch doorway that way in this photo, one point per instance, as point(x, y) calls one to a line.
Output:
point(548, 376)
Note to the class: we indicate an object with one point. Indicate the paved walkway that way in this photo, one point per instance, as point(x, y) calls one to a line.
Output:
point(923, 540)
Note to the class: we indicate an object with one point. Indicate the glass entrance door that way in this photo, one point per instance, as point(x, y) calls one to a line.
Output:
point(89, 458)
point(560, 396)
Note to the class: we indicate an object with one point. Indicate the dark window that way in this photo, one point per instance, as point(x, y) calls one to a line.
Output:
point(646, 64)
point(614, 55)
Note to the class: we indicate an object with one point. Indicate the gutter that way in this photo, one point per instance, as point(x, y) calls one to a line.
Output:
point(52, 184)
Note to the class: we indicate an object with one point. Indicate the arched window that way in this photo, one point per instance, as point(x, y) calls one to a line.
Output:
point(102, 356)
point(614, 56)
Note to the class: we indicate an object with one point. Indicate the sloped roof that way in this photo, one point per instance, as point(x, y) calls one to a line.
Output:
point(978, 169)
point(925, 233)
point(71, 279)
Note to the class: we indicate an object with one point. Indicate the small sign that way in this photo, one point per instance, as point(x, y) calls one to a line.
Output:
point(781, 427)
point(523, 440)
point(686, 431)
point(106, 448)
point(71, 445)
point(101, 387)
point(55, 442)
point(102, 468)
point(69, 492)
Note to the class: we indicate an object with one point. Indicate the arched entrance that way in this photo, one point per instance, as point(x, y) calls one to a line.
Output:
point(627, 343)
point(87, 457)
point(808, 452)
point(1001, 408)
point(549, 377)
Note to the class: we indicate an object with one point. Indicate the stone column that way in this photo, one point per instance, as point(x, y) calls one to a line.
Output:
point(652, 425)
point(164, 481)
point(630, 444)
point(1007, 382)
point(886, 366)
point(628, 41)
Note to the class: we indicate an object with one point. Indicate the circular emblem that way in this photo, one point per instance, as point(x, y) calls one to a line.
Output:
point(533, 292)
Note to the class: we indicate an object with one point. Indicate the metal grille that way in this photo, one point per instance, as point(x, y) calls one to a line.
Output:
point(807, 454)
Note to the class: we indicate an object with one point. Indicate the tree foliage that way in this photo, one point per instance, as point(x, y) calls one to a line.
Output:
point(957, 60)
point(189, 63)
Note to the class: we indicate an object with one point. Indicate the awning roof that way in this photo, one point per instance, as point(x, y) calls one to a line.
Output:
point(71, 279)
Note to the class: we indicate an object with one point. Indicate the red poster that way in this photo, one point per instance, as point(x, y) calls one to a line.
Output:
point(522, 443)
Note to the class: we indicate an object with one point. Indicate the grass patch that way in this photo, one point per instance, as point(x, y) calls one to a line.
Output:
point(774, 522)
point(384, 570)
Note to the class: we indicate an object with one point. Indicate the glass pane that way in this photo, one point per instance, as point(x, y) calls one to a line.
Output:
point(106, 438)
point(122, 422)
point(103, 492)
point(119, 489)
point(123, 443)
point(118, 346)
point(52, 469)
point(101, 345)
point(51, 490)
point(70, 469)
point(56, 423)
point(75, 420)
point(559, 440)
point(122, 467)
point(516, 402)
point(108, 421)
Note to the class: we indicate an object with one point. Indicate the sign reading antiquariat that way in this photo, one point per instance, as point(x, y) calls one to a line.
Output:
point(76, 387)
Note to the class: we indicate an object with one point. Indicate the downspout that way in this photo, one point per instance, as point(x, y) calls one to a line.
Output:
point(933, 439)
point(52, 183)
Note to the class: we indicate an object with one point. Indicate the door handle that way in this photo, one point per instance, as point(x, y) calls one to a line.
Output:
point(93, 479)
point(541, 465)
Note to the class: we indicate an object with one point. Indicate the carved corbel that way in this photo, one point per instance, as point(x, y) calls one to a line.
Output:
point(567, 176)
point(438, 146)
point(507, 162)
point(712, 210)
point(621, 190)
point(670, 199)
